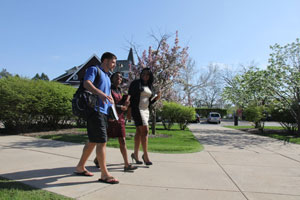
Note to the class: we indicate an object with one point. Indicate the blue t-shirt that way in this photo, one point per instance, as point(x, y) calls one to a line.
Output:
point(104, 86)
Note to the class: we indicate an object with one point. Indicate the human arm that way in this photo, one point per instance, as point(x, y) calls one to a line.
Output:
point(87, 84)
point(126, 103)
point(155, 97)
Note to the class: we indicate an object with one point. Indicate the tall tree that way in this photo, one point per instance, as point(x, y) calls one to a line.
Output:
point(210, 92)
point(36, 77)
point(247, 88)
point(44, 77)
point(191, 81)
point(284, 77)
point(41, 77)
point(4, 73)
point(249, 91)
point(165, 62)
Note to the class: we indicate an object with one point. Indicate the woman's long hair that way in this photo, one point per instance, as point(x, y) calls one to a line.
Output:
point(150, 81)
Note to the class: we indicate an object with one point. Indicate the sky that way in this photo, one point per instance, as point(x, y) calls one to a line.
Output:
point(52, 36)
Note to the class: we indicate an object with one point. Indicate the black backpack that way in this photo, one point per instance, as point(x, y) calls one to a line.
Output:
point(82, 99)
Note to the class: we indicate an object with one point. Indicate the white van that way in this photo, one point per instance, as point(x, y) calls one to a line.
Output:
point(214, 117)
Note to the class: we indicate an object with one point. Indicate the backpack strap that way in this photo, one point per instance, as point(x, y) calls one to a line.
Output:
point(98, 76)
point(96, 81)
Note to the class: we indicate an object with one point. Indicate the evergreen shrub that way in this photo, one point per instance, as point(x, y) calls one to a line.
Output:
point(34, 104)
point(175, 113)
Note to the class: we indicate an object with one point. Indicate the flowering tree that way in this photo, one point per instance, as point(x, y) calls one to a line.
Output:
point(165, 63)
point(284, 78)
point(277, 86)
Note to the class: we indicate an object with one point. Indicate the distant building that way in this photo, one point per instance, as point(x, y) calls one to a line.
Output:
point(74, 75)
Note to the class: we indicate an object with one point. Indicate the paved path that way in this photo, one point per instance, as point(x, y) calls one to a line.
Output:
point(233, 166)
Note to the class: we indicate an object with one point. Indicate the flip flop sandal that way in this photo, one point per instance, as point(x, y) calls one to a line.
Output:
point(109, 180)
point(84, 173)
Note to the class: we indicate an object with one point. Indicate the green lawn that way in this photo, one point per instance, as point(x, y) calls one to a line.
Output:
point(12, 190)
point(165, 141)
point(280, 136)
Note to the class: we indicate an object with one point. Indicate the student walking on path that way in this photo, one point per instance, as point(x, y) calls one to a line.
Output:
point(141, 97)
point(97, 117)
point(116, 128)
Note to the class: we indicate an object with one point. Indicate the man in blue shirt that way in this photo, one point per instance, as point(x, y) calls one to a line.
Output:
point(97, 120)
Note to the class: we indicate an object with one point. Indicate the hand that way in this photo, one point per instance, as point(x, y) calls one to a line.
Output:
point(105, 97)
point(111, 120)
point(124, 108)
point(126, 103)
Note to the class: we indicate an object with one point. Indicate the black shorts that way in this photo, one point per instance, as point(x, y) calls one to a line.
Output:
point(97, 127)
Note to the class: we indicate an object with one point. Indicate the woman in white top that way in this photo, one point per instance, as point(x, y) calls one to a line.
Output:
point(141, 93)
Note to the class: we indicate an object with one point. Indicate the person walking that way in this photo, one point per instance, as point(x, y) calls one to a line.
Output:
point(116, 128)
point(97, 117)
point(141, 97)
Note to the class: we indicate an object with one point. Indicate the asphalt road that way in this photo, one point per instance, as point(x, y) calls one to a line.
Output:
point(230, 122)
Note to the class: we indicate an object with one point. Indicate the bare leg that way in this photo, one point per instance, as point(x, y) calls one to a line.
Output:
point(123, 150)
point(87, 150)
point(101, 156)
point(137, 142)
point(144, 140)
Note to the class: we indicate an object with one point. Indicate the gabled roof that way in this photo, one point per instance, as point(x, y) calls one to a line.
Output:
point(68, 73)
point(83, 65)
point(73, 75)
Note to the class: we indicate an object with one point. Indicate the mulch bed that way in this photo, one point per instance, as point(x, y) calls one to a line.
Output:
point(73, 131)
point(40, 133)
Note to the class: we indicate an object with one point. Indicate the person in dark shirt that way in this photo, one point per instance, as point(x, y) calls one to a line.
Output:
point(141, 97)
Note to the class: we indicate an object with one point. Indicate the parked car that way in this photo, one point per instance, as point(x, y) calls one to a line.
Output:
point(214, 117)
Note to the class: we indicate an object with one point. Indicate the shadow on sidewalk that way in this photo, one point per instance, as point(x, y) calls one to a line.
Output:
point(48, 178)
point(236, 139)
point(39, 143)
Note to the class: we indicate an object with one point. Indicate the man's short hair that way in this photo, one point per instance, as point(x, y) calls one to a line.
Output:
point(108, 55)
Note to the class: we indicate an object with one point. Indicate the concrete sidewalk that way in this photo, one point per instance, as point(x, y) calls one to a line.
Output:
point(233, 166)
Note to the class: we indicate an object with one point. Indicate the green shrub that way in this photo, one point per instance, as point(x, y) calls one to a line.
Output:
point(175, 113)
point(285, 118)
point(255, 114)
point(34, 103)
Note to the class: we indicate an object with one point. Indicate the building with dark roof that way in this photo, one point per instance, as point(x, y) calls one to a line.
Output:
point(74, 75)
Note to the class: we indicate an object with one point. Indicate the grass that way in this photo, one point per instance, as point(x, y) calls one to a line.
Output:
point(280, 135)
point(165, 141)
point(12, 190)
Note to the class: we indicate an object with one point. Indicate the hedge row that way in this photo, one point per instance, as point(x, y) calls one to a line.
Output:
point(203, 112)
point(27, 104)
